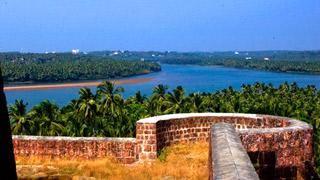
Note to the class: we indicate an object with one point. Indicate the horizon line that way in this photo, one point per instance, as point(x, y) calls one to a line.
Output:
point(161, 51)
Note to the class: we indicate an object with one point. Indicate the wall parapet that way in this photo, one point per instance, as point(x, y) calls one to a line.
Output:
point(122, 149)
point(227, 157)
point(67, 138)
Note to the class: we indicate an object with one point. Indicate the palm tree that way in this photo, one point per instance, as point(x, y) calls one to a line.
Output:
point(160, 90)
point(137, 99)
point(86, 105)
point(209, 104)
point(112, 108)
point(86, 112)
point(46, 117)
point(155, 103)
point(175, 102)
point(20, 124)
point(194, 102)
point(109, 97)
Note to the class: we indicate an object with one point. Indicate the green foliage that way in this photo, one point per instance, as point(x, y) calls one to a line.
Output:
point(105, 113)
point(18, 67)
point(163, 154)
point(280, 61)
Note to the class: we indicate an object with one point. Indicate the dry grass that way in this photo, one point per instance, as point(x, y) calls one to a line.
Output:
point(183, 161)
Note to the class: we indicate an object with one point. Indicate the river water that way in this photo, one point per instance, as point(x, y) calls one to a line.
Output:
point(192, 78)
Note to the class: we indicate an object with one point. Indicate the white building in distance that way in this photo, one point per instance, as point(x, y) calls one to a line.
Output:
point(75, 51)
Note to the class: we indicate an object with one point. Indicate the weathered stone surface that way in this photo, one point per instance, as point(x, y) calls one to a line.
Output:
point(76, 147)
point(229, 160)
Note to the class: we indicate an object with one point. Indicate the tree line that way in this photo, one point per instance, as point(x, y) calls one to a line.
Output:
point(106, 113)
point(279, 61)
point(58, 67)
point(277, 55)
point(312, 67)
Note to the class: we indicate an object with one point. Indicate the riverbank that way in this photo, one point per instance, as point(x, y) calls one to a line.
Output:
point(75, 85)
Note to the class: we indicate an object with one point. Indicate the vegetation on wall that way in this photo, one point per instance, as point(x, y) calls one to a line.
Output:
point(106, 113)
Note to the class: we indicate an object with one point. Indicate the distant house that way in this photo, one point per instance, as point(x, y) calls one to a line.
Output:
point(114, 53)
point(236, 52)
point(75, 51)
point(266, 59)
point(248, 58)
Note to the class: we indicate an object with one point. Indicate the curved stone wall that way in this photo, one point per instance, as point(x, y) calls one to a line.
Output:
point(290, 140)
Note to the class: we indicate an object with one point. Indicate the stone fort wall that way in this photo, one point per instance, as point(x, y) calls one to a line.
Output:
point(289, 140)
point(122, 149)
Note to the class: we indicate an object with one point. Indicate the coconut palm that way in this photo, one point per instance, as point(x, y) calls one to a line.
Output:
point(20, 124)
point(155, 104)
point(159, 91)
point(138, 98)
point(46, 118)
point(194, 102)
point(175, 101)
point(86, 105)
point(112, 108)
point(109, 97)
point(86, 112)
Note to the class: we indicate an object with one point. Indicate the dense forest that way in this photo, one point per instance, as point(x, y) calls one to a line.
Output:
point(283, 61)
point(106, 113)
point(312, 67)
point(57, 67)
point(280, 61)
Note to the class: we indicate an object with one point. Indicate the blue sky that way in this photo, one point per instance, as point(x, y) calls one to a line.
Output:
point(175, 25)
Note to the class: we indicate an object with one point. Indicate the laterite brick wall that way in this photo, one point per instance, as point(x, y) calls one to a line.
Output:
point(76, 147)
point(291, 141)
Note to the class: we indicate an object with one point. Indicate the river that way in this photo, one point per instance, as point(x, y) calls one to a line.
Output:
point(192, 78)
